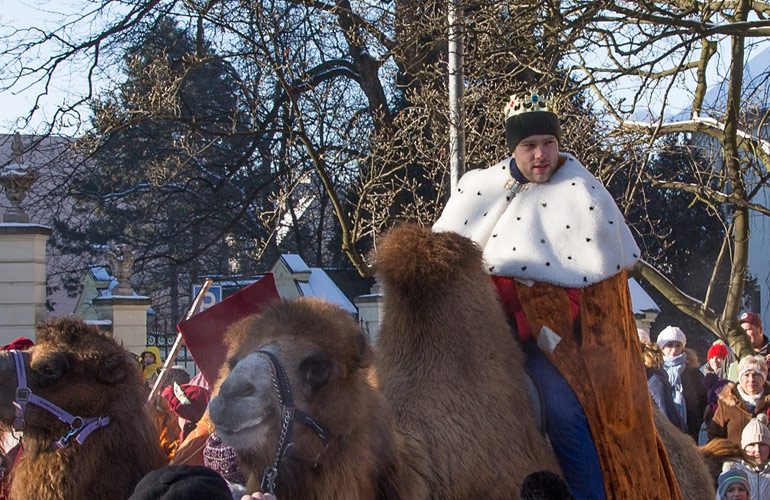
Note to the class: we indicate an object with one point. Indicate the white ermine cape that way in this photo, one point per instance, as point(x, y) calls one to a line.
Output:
point(567, 231)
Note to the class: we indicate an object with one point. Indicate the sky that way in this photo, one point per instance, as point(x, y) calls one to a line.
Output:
point(20, 14)
point(45, 14)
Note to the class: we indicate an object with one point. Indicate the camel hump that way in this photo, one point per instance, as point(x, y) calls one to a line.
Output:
point(64, 330)
point(412, 255)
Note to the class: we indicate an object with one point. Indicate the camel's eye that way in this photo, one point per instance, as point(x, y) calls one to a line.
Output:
point(49, 369)
point(316, 369)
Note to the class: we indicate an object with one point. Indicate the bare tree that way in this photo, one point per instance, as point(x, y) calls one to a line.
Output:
point(347, 113)
point(651, 52)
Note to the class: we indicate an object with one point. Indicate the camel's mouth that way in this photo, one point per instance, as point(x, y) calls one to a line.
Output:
point(232, 428)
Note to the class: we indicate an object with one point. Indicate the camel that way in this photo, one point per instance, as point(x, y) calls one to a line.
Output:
point(87, 375)
point(446, 413)
point(327, 359)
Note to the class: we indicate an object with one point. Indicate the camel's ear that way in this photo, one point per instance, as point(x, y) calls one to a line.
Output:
point(114, 368)
point(365, 355)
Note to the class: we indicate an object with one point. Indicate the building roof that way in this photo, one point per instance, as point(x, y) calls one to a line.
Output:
point(640, 300)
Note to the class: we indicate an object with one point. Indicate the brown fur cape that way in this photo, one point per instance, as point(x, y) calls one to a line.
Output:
point(602, 363)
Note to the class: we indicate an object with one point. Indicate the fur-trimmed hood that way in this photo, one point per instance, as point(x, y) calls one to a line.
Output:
point(730, 396)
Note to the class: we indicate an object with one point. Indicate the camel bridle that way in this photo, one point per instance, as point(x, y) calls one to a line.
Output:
point(80, 427)
point(289, 414)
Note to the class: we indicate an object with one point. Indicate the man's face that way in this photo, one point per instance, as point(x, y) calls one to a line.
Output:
point(537, 156)
point(755, 334)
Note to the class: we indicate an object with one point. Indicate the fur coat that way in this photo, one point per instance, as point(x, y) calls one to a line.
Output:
point(732, 414)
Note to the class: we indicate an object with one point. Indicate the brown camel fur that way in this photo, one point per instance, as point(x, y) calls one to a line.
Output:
point(86, 374)
point(451, 370)
point(691, 466)
point(326, 358)
point(455, 421)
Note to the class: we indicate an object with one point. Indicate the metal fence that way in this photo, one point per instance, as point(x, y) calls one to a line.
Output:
point(164, 342)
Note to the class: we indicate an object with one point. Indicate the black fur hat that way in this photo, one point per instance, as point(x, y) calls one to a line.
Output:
point(182, 482)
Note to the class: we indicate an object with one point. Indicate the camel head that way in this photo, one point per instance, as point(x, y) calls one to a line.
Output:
point(73, 366)
point(324, 356)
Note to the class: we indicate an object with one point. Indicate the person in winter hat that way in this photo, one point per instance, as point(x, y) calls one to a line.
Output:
point(188, 402)
point(150, 361)
point(687, 389)
point(752, 326)
point(658, 384)
point(556, 247)
point(733, 485)
point(223, 459)
point(714, 386)
point(18, 344)
point(10, 445)
point(755, 441)
point(739, 403)
point(673, 338)
point(716, 360)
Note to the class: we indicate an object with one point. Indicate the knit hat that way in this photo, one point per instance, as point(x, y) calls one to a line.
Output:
point(643, 335)
point(756, 431)
point(182, 482)
point(750, 317)
point(718, 350)
point(530, 114)
point(18, 344)
point(755, 363)
point(729, 478)
point(222, 459)
point(714, 384)
point(187, 401)
point(671, 334)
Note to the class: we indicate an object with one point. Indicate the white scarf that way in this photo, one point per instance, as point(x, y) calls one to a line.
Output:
point(751, 400)
point(674, 367)
point(567, 231)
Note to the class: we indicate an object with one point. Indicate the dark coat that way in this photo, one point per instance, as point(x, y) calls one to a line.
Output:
point(732, 414)
point(660, 392)
point(695, 394)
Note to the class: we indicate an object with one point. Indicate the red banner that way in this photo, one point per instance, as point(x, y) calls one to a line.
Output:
point(204, 333)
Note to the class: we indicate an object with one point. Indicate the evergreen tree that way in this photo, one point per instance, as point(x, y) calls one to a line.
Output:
point(169, 174)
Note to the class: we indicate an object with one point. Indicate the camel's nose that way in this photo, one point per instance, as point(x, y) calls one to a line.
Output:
point(237, 388)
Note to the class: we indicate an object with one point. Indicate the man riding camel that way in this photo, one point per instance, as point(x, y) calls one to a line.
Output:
point(556, 247)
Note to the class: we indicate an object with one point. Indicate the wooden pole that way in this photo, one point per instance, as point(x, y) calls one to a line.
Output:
point(172, 354)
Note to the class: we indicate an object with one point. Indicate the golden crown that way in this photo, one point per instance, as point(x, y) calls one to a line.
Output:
point(529, 102)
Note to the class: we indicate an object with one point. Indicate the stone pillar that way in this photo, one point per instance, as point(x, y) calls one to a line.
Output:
point(22, 279)
point(128, 317)
point(370, 312)
point(22, 254)
point(124, 311)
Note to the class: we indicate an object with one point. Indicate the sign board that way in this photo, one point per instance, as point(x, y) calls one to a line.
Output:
point(213, 296)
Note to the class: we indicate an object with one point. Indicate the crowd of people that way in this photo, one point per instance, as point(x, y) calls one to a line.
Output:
point(725, 398)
